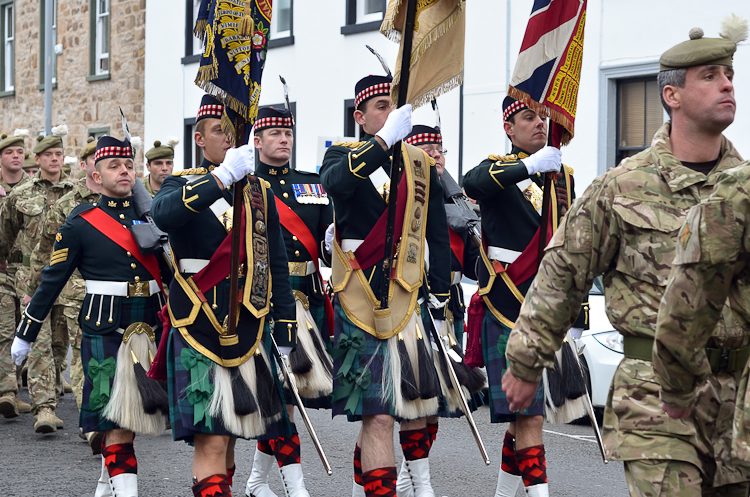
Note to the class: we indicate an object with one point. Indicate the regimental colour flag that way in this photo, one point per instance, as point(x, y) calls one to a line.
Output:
point(437, 57)
point(548, 69)
point(235, 38)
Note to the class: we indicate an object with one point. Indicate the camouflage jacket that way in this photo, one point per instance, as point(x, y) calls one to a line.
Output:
point(75, 289)
point(624, 226)
point(14, 257)
point(22, 214)
point(147, 183)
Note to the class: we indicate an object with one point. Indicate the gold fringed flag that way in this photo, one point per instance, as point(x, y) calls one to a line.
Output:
point(235, 36)
point(548, 70)
point(437, 58)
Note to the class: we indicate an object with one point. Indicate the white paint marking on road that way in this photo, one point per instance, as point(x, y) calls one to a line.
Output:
point(583, 438)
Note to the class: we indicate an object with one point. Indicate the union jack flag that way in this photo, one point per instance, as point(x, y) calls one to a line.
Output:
point(548, 69)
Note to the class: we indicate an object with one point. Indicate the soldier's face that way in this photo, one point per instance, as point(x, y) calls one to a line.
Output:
point(435, 150)
point(374, 113)
point(12, 159)
point(213, 141)
point(31, 171)
point(275, 145)
point(116, 177)
point(89, 165)
point(707, 100)
point(159, 169)
point(528, 131)
point(50, 161)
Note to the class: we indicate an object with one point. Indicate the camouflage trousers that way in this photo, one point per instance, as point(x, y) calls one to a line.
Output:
point(10, 315)
point(74, 337)
point(46, 361)
point(656, 478)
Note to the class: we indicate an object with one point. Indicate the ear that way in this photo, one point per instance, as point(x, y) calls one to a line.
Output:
point(37, 160)
point(199, 139)
point(257, 141)
point(672, 97)
point(508, 128)
point(97, 177)
point(359, 117)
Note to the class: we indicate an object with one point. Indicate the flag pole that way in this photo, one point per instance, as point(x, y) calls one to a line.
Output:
point(408, 36)
point(546, 200)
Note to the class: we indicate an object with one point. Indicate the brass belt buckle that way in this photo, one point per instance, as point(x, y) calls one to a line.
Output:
point(138, 289)
point(298, 268)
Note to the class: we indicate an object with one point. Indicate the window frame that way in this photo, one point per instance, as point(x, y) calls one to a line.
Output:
point(191, 40)
point(609, 74)
point(352, 26)
point(646, 141)
point(351, 128)
point(274, 40)
point(189, 145)
point(97, 132)
point(42, 3)
point(5, 89)
point(94, 40)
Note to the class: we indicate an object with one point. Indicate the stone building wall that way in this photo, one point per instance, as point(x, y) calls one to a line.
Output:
point(80, 104)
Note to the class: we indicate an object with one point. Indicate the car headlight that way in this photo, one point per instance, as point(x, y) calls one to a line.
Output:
point(610, 339)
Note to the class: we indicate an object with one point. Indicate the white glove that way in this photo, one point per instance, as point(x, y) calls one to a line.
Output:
point(329, 238)
point(19, 350)
point(547, 160)
point(285, 349)
point(238, 163)
point(397, 126)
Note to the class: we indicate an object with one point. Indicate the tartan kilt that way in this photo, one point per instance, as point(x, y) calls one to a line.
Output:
point(373, 358)
point(181, 412)
point(318, 313)
point(102, 347)
point(494, 339)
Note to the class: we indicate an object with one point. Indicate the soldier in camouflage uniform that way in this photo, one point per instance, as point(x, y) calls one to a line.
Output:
point(71, 297)
point(11, 177)
point(625, 227)
point(21, 221)
point(160, 164)
point(29, 166)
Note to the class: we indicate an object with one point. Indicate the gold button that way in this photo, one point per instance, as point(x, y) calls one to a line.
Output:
point(294, 238)
point(189, 187)
point(122, 216)
point(109, 320)
point(129, 254)
point(214, 307)
point(282, 182)
point(286, 195)
point(98, 323)
point(289, 326)
point(94, 204)
point(28, 321)
point(137, 278)
point(133, 265)
point(87, 318)
point(296, 252)
point(124, 226)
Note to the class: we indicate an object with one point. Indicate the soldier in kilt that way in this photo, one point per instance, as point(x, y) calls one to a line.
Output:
point(223, 386)
point(383, 370)
point(305, 213)
point(118, 317)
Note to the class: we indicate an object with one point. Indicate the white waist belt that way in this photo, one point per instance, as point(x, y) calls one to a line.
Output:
point(116, 288)
point(352, 244)
point(191, 265)
point(456, 278)
point(502, 254)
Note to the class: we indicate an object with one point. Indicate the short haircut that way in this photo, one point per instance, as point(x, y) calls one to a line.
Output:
point(200, 126)
point(675, 77)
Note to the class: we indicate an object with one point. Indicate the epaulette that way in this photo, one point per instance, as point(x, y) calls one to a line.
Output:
point(352, 145)
point(503, 158)
point(187, 172)
point(568, 169)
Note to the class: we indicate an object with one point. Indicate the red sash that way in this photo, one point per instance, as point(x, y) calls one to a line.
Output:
point(220, 263)
point(457, 245)
point(525, 266)
point(292, 222)
point(113, 230)
point(373, 247)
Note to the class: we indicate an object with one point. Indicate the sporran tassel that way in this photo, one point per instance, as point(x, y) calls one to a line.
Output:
point(268, 396)
point(299, 360)
point(408, 381)
point(429, 385)
point(154, 397)
point(244, 400)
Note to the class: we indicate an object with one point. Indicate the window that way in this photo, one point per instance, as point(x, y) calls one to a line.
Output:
point(97, 133)
point(193, 44)
point(100, 45)
point(193, 153)
point(281, 21)
point(363, 15)
point(639, 115)
point(41, 42)
point(351, 128)
point(7, 19)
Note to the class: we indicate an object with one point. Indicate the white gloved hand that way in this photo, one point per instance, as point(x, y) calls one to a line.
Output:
point(19, 350)
point(397, 126)
point(285, 349)
point(547, 160)
point(238, 163)
point(329, 238)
